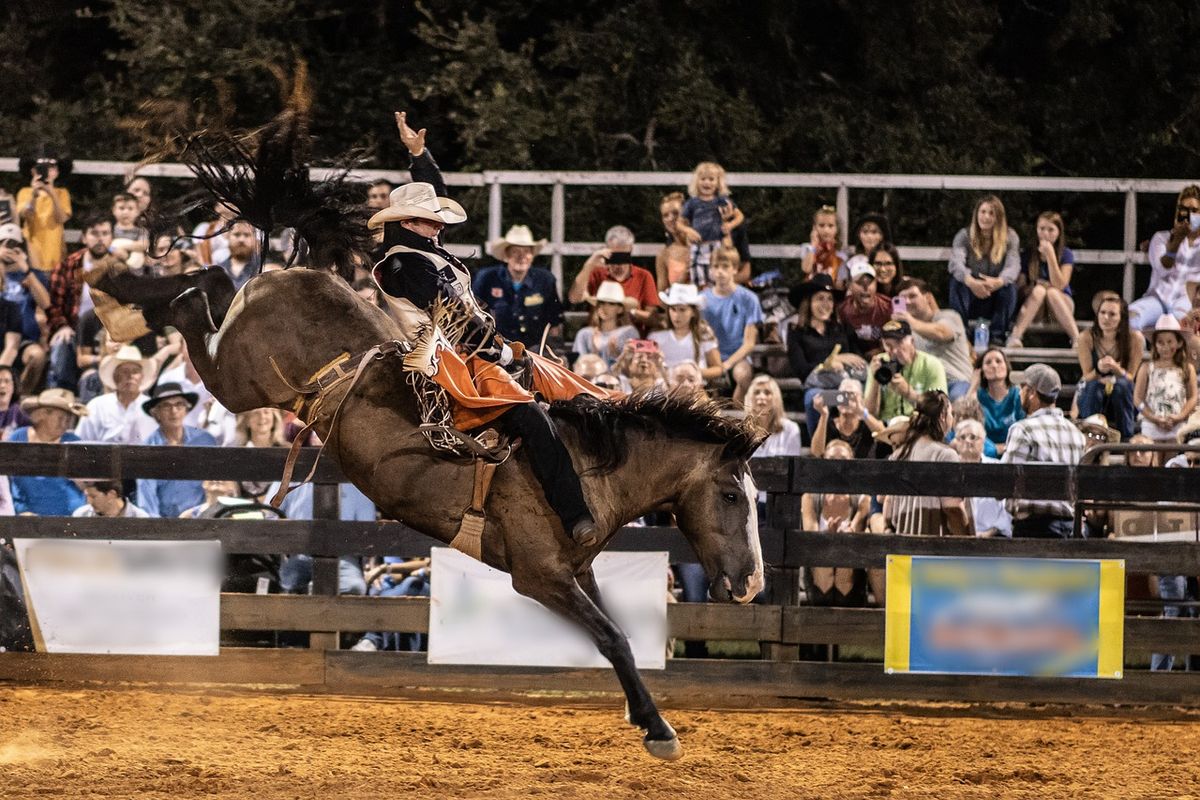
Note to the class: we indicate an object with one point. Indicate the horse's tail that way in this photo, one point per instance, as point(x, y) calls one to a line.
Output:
point(264, 176)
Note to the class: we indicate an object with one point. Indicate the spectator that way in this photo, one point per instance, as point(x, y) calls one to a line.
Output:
point(170, 256)
point(243, 261)
point(212, 240)
point(1109, 355)
point(52, 414)
point(852, 423)
point(685, 378)
point(889, 269)
point(117, 417)
point(821, 255)
point(764, 408)
point(897, 378)
point(404, 578)
point(924, 440)
point(379, 194)
point(1166, 383)
point(835, 513)
point(999, 400)
point(125, 213)
point(208, 414)
point(1097, 431)
point(819, 347)
point(142, 192)
point(169, 404)
point(1047, 281)
point(262, 427)
point(671, 263)
point(295, 573)
point(615, 262)
point(44, 208)
point(609, 326)
point(1174, 258)
point(707, 220)
point(24, 288)
point(1045, 436)
point(11, 415)
point(640, 368)
point(71, 296)
point(989, 517)
point(688, 338)
point(864, 310)
point(967, 407)
point(938, 332)
point(734, 315)
point(872, 231)
point(984, 266)
point(590, 365)
point(523, 298)
point(106, 499)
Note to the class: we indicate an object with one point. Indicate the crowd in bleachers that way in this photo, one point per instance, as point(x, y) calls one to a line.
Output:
point(859, 359)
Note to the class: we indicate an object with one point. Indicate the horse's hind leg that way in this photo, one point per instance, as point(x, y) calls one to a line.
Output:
point(567, 598)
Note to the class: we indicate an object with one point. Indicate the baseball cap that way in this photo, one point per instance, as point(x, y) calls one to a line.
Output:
point(895, 329)
point(11, 230)
point(859, 266)
point(1042, 379)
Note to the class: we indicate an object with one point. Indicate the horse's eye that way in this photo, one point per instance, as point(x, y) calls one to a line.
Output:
point(729, 497)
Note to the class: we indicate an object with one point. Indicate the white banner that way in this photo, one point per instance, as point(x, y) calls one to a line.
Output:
point(475, 617)
point(128, 597)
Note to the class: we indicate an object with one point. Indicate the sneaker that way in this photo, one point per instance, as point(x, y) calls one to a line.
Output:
point(584, 531)
point(365, 645)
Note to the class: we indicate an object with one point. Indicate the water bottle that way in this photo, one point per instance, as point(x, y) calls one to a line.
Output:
point(981, 337)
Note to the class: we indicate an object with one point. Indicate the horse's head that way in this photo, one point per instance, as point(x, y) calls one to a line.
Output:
point(717, 511)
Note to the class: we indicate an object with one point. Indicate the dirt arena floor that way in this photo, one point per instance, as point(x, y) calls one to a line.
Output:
point(127, 743)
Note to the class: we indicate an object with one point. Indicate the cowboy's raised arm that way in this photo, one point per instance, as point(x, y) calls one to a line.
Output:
point(422, 167)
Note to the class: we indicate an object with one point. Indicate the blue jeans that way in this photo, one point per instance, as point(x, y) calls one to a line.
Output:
point(296, 573)
point(1116, 406)
point(811, 415)
point(415, 585)
point(1170, 587)
point(1044, 526)
point(998, 309)
point(64, 368)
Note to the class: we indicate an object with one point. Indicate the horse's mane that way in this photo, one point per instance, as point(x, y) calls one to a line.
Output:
point(603, 425)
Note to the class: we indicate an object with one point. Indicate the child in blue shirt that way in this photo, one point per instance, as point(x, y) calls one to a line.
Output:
point(707, 219)
point(734, 314)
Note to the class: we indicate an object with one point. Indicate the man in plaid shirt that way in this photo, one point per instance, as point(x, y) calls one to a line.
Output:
point(1045, 436)
point(69, 297)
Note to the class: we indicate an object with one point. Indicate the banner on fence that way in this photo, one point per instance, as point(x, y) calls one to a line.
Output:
point(127, 597)
point(1005, 616)
point(475, 617)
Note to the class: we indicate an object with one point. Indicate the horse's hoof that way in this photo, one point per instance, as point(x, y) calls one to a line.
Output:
point(666, 749)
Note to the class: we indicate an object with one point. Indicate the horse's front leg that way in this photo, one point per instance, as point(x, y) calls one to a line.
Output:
point(565, 596)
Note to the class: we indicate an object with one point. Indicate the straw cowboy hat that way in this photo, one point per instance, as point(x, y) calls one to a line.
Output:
point(682, 294)
point(1098, 423)
point(128, 354)
point(61, 399)
point(894, 432)
point(1190, 428)
point(418, 201)
point(167, 391)
point(611, 292)
point(517, 236)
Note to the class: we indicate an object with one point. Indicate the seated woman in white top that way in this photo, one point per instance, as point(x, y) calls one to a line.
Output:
point(764, 408)
point(687, 337)
point(609, 325)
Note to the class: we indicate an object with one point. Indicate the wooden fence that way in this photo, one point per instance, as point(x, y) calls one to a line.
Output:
point(781, 626)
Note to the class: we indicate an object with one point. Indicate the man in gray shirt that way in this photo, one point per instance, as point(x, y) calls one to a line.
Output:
point(938, 332)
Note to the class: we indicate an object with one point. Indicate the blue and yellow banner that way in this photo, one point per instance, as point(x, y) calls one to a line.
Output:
point(1005, 616)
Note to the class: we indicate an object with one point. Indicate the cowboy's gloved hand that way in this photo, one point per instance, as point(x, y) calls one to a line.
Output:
point(506, 355)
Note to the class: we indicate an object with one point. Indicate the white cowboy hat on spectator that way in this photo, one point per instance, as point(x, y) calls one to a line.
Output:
point(894, 432)
point(61, 399)
point(1167, 323)
point(11, 231)
point(682, 294)
point(611, 292)
point(1190, 428)
point(517, 236)
point(418, 201)
point(1098, 423)
point(128, 354)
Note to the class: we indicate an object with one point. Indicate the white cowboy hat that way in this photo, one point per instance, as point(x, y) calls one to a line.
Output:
point(682, 294)
point(418, 201)
point(894, 432)
point(517, 236)
point(1167, 323)
point(61, 399)
point(611, 292)
point(128, 354)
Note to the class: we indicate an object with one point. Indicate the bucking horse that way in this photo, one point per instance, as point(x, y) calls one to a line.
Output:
point(635, 455)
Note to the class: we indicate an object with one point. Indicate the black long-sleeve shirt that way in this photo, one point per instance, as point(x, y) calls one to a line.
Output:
point(807, 348)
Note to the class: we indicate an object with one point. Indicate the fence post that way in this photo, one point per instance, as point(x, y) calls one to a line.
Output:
point(843, 214)
point(495, 207)
point(325, 568)
point(558, 224)
point(783, 585)
point(1129, 243)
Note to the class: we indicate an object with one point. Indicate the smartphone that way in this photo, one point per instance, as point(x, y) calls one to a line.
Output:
point(42, 171)
point(834, 397)
point(899, 305)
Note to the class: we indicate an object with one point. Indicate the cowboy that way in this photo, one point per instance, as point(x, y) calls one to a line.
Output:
point(523, 298)
point(116, 417)
point(169, 405)
point(416, 273)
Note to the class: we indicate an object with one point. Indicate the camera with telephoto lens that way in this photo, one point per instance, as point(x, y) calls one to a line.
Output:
point(885, 372)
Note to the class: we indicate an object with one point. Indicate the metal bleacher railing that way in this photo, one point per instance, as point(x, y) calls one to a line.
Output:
point(495, 182)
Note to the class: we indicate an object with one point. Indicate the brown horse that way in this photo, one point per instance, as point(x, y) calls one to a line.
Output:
point(637, 455)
